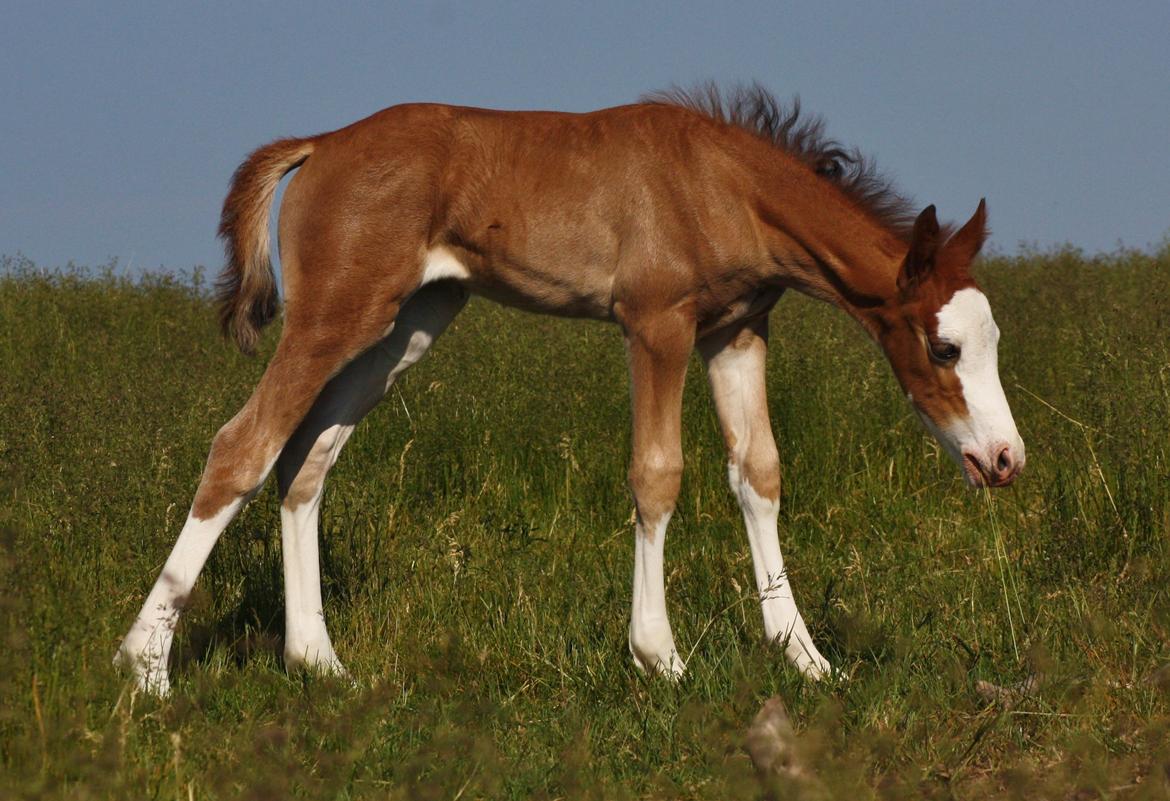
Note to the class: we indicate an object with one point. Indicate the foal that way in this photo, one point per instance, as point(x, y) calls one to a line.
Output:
point(681, 218)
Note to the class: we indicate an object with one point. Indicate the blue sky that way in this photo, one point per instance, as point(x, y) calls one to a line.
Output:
point(121, 123)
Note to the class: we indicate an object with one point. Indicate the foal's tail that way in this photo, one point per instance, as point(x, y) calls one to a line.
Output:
point(246, 289)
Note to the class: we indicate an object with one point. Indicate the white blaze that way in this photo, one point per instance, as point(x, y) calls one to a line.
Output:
point(966, 322)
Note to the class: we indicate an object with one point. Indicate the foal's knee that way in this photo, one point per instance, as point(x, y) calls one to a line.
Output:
point(655, 480)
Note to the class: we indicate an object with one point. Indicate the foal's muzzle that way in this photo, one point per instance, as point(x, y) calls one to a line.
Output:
point(996, 468)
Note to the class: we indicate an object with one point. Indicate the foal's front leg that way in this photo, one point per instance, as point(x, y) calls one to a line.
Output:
point(659, 347)
point(735, 366)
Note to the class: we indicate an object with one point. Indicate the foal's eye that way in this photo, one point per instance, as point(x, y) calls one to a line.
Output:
point(944, 352)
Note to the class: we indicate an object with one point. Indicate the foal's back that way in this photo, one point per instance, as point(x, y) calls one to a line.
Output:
point(562, 213)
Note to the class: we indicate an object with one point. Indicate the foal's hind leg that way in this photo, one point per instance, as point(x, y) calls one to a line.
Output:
point(735, 367)
point(312, 349)
point(314, 448)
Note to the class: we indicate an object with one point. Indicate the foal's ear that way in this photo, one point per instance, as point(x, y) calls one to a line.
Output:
point(923, 249)
point(964, 246)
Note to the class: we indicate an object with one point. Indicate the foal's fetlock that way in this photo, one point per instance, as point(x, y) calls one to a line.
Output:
point(815, 669)
point(807, 659)
point(148, 670)
point(654, 653)
point(318, 659)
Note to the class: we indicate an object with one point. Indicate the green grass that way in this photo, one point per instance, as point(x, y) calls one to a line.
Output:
point(477, 555)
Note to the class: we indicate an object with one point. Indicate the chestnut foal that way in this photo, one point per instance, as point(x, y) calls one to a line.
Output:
point(681, 218)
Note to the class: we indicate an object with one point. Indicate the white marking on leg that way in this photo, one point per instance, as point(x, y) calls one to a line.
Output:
point(147, 647)
point(782, 620)
point(651, 640)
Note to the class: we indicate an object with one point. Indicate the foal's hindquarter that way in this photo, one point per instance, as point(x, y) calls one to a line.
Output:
point(381, 246)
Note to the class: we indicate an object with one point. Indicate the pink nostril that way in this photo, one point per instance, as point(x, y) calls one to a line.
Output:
point(1004, 464)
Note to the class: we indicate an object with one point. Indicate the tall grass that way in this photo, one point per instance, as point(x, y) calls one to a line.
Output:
point(477, 554)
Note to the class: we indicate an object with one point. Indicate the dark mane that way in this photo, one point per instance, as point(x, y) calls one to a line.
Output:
point(754, 109)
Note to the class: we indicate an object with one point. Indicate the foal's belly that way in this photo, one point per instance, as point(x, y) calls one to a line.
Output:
point(565, 289)
point(584, 290)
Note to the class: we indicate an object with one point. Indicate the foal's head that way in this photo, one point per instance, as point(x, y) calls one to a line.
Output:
point(940, 338)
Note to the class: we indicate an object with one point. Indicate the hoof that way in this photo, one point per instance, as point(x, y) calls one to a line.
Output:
point(149, 671)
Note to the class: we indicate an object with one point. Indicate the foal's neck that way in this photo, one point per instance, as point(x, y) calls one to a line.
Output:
point(823, 245)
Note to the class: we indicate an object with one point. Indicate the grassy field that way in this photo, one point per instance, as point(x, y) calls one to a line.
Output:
point(477, 556)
